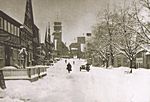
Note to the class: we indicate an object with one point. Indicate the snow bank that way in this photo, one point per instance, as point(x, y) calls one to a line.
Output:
point(8, 99)
point(9, 67)
point(116, 85)
point(98, 85)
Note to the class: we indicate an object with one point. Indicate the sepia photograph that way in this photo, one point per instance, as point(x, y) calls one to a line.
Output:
point(74, 50)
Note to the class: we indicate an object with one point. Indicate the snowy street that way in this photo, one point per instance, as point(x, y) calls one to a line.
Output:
point(98, 85)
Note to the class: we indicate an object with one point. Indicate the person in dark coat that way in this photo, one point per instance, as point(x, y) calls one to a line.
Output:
point(69, 67)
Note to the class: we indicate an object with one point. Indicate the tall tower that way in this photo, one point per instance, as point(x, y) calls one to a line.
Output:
point(61, 49)
point(57, 35)
point(58, 31)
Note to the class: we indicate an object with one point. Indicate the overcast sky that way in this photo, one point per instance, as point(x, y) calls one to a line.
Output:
point(77, 16)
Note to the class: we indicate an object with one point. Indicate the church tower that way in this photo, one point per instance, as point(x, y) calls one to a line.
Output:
point(48, 43)
point(28, 20)
point(30, 34)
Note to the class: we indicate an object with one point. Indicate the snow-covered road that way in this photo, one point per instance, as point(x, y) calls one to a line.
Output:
point(98, 85)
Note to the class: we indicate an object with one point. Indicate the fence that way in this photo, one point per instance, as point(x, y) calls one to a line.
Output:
point(30, 73)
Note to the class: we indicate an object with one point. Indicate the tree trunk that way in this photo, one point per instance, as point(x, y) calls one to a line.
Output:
point(107, 63)
point(111, 62)
point(111, 59)
point(131, 70)
point(103, 63)
point(132, 65)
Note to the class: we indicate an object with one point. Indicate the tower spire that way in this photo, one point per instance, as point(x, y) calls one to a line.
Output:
point(49, 36)
point(28, 20)
point(46, 35)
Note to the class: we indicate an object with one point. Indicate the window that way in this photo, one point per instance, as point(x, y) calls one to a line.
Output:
point(14, 30)
point(17, 31)
point(1, 23)
point(5, 25)
point(15, 54)
point(9, 27)
point(2, 52)
point(139, 55)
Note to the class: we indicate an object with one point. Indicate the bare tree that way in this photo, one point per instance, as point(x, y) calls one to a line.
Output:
point(118, 32)
point(100, 48)
point(128, 31)
point(104, 33)
point(143, 26)
point(145, 3)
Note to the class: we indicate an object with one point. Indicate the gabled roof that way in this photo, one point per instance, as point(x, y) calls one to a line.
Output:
point(9, 19)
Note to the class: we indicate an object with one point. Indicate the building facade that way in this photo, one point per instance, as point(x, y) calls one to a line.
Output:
point(82, 46)
point(16, 37)
point(78, 49)
point(143, 59)
point(60, 49)
point(9, 40)
point(36, 45)
point(74, 50)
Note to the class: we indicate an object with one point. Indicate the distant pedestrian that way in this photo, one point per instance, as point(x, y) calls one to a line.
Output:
point(65, 61)
point(73, 62)
point(69, 67)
